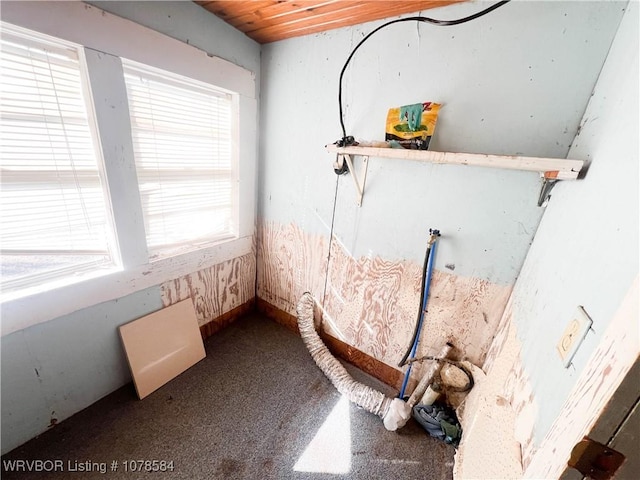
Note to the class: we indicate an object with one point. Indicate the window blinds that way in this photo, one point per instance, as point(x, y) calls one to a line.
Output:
point(182, 139)
point(52, 205)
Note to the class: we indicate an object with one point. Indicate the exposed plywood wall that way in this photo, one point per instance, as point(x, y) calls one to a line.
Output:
point(290, 262)
point(372, 303)
point(215, 290)
point(488, 416)
point(511, 383)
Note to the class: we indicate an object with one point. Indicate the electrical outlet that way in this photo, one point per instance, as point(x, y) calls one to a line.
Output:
point(573, 336)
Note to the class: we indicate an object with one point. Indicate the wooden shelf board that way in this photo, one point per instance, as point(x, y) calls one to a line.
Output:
point(550, 168)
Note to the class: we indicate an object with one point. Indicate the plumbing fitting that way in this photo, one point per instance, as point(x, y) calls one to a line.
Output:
point(428, 377)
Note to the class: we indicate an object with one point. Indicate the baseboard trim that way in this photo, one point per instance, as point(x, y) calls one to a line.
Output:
point(279, 316)
point(217, 324)
point(363, 361)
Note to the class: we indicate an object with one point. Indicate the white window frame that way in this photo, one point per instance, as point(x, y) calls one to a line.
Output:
point(107, 38)
point(172, 78)
point(64, 275)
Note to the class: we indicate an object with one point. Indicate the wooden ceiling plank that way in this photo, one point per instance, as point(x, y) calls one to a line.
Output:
point(288, 8)
point(319, 16)
point(301, 18)
point(232, 17)
point(270, 15)
point(331, 20)
point(228, 9)
point(276, 13)
point(271, 20)
point(234, 9)
point(364, 11)
point(202, 3)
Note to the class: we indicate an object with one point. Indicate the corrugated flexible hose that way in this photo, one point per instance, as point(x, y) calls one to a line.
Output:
point(393, 411)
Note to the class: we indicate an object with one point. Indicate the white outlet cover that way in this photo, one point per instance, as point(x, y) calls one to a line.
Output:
point(573, 336)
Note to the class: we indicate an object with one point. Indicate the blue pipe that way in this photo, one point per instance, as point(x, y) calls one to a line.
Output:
point(423, 308)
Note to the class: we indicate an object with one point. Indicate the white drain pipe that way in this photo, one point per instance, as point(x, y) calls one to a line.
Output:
point(393, 411)
point(427, 378)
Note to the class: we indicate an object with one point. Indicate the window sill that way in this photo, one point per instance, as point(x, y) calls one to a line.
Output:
point(26, 308)
point(57, 283)
point(176, 251)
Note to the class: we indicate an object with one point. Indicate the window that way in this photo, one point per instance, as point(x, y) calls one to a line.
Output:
point(53, 210)
point(72, 226)
point(182, 140)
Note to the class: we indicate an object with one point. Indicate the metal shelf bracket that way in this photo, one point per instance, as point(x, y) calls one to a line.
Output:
point(545, 190)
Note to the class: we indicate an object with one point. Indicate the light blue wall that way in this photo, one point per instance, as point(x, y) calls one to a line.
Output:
point(585, 251)
point(190, 23)
point(55, 369)
point(516, 81)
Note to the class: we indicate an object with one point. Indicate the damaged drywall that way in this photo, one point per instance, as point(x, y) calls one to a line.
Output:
point(488, 417)
point(215, 290)
point(500, 95)
point(72, 357)
point(585, 253)
point(290, 262)
point(604, 371)
point(372, 303)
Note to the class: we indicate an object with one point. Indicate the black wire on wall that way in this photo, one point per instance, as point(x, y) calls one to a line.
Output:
point(345, 141)
point(433, 21)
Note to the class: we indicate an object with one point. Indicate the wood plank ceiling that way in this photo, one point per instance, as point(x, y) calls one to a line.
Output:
point(272, 20)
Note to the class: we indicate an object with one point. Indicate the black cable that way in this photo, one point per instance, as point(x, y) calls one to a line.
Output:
point(465, 370)
point(416, 329)
point(441, 23)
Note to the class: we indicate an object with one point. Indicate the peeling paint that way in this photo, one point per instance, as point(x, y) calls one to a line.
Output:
point(488, 416)
point(605, 370)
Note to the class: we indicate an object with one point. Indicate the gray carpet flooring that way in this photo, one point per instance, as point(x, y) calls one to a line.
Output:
point(256, 407)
